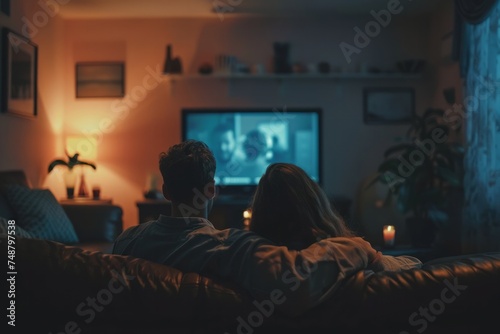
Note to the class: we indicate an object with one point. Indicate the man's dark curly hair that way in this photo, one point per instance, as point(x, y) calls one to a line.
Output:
point(185, 167)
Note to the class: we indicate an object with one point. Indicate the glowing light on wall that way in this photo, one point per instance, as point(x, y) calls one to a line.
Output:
point(85, 146)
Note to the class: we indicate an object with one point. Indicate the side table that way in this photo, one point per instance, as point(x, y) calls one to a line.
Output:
point(86, 201)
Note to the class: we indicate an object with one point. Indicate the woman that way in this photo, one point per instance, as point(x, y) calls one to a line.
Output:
point(291, 209)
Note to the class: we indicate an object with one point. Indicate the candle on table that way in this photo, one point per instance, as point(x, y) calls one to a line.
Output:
point(247, 215)
point(389, 235)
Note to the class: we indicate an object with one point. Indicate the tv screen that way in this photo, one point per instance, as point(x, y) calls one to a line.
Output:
point(246, 141)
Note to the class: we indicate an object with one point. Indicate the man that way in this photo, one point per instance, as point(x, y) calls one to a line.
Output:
point(186, 240)
point(224, 142)
point(255, 148)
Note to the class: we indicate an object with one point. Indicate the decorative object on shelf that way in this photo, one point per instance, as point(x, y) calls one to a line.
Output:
point(375, 70)
point(82, 191)
point(282, 58)
point(100, 79)
point(153, 188)
point(226, 64)
point(70, 175)
point(312, 68)
point(172, 65)
point(19, 74)
point(324, 67)
point(425, 173)
point(363, 67)
point(96, 192)
point(205, 68)
point(411, 65)
point(299, 68)
point(167, 68)
point(258, 69)
point(241, 68)
point(388, 105)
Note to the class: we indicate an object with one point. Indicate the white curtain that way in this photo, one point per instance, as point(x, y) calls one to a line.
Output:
point(482, 119)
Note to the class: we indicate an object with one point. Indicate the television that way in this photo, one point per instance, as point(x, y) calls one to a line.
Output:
point(245, 141)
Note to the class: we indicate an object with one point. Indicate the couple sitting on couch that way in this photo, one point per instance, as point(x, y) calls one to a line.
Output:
point(298, 250)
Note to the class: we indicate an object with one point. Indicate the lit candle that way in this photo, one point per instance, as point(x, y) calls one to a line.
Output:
point(247, 214)
point(389, 235)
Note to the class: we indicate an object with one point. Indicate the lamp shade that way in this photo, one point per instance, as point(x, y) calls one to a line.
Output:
point(84, 146)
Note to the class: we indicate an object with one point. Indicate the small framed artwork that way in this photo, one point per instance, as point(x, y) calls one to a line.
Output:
point(100, 79)
point(19, 74)
point(5, 7)
point(388, 105)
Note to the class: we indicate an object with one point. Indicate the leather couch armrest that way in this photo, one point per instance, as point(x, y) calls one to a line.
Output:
point(95, 223)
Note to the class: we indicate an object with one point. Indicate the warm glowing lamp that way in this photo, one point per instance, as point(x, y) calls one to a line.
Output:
point(85, 147)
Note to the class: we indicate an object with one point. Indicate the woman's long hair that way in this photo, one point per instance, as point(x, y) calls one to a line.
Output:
point(291, 209)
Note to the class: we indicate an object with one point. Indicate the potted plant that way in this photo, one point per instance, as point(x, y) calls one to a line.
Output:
point(70, 176)
point(424, 173)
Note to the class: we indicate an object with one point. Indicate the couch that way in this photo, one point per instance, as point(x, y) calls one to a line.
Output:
point(65, 289)
point(91, 227)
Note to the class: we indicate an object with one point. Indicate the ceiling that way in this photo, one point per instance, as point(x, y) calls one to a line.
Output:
point(100, 9)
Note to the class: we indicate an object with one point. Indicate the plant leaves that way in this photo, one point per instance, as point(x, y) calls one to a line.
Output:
point(56, 163)
point(72, 162)
point(86, 163)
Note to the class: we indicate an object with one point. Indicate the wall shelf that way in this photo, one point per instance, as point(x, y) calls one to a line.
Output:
point(281, 79)
point(292, 76)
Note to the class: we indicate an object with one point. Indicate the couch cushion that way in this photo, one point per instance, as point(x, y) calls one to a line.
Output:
point(18, 230)
point(5, 209)
point(39, 213)
point(10, 177)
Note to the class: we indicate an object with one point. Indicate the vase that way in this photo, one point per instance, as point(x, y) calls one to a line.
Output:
point(70, 178)
point(167, 67)
point(281, 58)
point(82, 191)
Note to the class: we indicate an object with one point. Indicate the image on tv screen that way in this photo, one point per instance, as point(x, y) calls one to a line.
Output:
point(244, 143)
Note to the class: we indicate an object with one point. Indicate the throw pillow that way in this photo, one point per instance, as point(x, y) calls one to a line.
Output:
point(19, 231)
point(39, 213)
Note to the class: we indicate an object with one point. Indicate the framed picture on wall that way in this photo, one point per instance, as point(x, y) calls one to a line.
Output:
point(19, 74)
point(388, 105)
point(5, 7)
point(100, 79)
